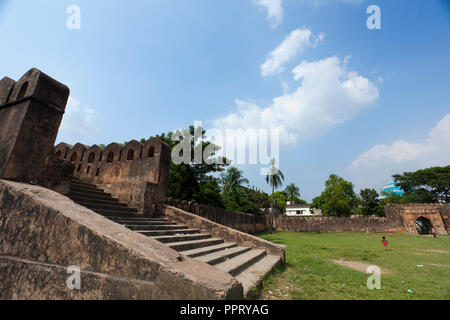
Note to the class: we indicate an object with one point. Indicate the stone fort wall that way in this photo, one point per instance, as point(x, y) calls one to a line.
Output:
point(335, 224)
point(137, 173)
point(399, 218)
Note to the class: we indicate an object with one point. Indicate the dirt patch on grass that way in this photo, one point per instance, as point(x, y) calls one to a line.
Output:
point(281, 291)
point(357, 265)
point(434, 250)
point(439, 265)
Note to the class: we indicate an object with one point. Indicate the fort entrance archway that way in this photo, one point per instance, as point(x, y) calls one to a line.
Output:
point(423, 225)
point(419, 218)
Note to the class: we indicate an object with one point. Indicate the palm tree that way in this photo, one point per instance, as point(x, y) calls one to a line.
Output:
point(232, 178)
point(275, 179)
point(292, 192)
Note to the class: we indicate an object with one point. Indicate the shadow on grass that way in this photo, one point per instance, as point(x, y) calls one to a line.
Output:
point(256, 293)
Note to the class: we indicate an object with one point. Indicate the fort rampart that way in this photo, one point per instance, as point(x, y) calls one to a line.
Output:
point(136, 174)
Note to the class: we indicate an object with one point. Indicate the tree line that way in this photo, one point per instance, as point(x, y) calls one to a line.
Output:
point(218, 184)
point(430, 185)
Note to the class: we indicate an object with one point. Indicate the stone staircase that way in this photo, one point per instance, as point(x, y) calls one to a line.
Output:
point(247, 265)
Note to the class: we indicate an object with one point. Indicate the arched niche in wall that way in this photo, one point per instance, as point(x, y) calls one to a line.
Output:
point(62, 150)
point(152, 148)
point(23, 91)
point(112, 153)
point(93, 155)
point(74, 156)
point(80, 150)
point(132, 151)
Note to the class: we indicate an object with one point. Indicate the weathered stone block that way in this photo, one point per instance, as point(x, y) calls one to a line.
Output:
point(31, 111)
point(43, 232)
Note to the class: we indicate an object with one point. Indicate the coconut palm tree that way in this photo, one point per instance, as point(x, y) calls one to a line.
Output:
point(232, 178)
point(292, 192)
point(275, 179)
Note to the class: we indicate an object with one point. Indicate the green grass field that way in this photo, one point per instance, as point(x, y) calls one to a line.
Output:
point(310, 273)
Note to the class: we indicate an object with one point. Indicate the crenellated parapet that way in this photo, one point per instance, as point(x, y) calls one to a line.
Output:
point(136, 173)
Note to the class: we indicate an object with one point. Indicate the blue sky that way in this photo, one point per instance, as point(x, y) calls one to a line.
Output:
point(360, 103)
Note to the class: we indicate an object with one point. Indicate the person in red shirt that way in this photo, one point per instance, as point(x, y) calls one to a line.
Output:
point(385, 243)
point(389, 232)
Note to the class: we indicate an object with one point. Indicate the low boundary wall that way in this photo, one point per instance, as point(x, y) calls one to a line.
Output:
point(245, 222)
point(333, 224)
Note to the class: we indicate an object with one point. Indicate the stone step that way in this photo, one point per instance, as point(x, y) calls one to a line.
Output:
point(78, 181)
point(194, 244)
point(91, 196)
point(141, 218)
point(88, 191)
point(145, 223)
point(194, 253)
point(114, 207)
point(155, 227)
point(85, 186)
point(220, 256)
point(182, 238)
point(174, 232)
point(253, 276)
point(106, 201)
point(237, 264)
point(108, 213)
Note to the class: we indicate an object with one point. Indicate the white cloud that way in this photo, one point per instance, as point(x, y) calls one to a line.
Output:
point(292, 45)
point(381, 161)
point(274, 11)
point(79, 122)
point(328, 95)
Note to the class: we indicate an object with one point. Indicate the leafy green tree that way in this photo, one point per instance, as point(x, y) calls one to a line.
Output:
point(275, 179)
point(279, 198)
point(209, 193)
point(338, 198)
point(235, 196)
point(429, 185)
point(240, 199)
point(370, 203)
point(260, 198)
point(292, 192)
point(192, 181)
point(232, 178)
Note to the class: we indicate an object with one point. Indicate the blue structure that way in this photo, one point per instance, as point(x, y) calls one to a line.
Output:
point(390, 187)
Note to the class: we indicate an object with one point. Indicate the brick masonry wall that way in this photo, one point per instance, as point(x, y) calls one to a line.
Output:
point(333, 224)
point(445, 214)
